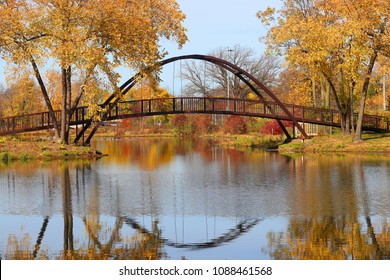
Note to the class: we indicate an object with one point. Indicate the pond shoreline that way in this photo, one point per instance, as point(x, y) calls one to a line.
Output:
point(35, 148)
point(371, 144)
point(25, 150)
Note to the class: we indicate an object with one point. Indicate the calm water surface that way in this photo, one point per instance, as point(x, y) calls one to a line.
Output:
point(170, 199)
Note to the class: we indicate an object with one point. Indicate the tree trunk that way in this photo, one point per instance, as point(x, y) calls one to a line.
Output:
point(313, 86)
point(343, 117)
point(46, 98)
point(69, 101)
point(348, 121)
point(325, 92)
point(353, 84)
point(64, 111)
point(344, 122)
point(362, 105)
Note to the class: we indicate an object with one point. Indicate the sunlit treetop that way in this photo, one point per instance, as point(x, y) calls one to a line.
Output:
point(314, 32)
point(85, 33)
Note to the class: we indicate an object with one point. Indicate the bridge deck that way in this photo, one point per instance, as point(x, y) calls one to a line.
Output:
point(149, 107)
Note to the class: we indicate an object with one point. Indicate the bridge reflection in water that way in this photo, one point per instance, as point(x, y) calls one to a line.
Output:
point(106, 239)
point(196, 201)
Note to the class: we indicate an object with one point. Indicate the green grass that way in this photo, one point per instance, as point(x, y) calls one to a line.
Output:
point(340, 146)
point(25, 157)
point(6, 156)
point(46, 154)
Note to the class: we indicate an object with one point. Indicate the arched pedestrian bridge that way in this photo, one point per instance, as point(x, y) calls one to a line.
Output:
point(267, 105)
point(191, 105)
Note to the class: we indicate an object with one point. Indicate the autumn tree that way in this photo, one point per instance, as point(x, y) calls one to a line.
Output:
point(366, 29)
point(295, 87)
point(212, 80)
point(148, 88)
point(86, 39)
point(339, 42)
point(20, 97)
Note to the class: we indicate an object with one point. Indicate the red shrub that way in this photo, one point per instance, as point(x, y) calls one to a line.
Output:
point(235, 125)
point(273, 128)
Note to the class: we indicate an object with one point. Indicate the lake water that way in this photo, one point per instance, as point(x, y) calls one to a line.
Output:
point(172, 199)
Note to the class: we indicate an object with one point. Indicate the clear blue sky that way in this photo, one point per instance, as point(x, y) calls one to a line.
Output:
point(214, 24)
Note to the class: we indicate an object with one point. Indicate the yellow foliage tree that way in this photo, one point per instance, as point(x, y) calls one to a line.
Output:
point(86, 38)
point(21, 97)
point(338, 40)
point(149, 89)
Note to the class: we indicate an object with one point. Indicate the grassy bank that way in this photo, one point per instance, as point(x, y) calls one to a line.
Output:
point(372, 143)
point(246, 141)
point(12, 149)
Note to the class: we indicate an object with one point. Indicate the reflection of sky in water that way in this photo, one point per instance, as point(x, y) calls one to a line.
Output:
point(249, 245)
point(196, 194)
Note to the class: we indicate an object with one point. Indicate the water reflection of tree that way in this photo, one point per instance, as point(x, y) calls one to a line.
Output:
point(138, 246)
point(329, 238)
point(321, 232)
point(150, 154)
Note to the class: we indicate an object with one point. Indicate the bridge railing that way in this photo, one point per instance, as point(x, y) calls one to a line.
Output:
point(134, 108)
point(30, 122)
point(225, 105)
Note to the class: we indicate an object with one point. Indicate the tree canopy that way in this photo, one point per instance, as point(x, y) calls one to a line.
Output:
point(86, 38)
point(339, 41)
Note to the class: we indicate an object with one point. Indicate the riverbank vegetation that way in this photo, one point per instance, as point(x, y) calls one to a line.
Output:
point(34, 147)
point(372, 143)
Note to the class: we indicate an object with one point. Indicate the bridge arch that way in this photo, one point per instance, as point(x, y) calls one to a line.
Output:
point(242, 227)
point(254, 84)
